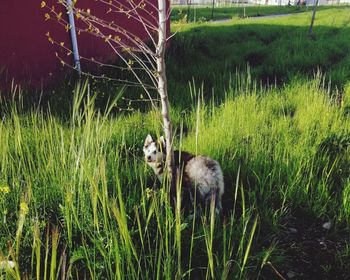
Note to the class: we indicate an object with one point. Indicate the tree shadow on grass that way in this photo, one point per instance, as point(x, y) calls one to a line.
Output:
point(276, 54)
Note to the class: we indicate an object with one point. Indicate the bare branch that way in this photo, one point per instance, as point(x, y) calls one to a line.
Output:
point(140, 53)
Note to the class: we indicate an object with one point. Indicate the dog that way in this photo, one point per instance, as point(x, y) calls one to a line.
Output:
point(201, 176)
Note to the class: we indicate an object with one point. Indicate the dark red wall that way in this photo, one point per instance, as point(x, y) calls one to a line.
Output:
point(28, 57)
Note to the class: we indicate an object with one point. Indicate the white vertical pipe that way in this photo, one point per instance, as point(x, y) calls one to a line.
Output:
point(73, 36)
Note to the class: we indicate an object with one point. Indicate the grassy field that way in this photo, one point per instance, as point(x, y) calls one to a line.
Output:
point(77, 200)
point(277, 51)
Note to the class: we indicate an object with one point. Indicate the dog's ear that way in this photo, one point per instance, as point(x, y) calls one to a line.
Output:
point(148, 140)
point(162, 142)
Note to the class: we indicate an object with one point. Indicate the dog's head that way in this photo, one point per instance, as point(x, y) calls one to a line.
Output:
point(154, 150)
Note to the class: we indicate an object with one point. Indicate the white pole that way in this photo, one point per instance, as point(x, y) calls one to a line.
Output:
point(73, 36)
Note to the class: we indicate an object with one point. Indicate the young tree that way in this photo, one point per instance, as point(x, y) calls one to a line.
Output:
point(189, 3)
point(212, 10)
point(142, 53)
point(313, 17)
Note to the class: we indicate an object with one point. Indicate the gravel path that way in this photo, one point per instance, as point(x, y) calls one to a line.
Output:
point(273, 16)
point(255, 17)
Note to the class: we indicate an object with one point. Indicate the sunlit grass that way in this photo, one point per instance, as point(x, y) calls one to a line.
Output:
point(83, 200)
point(77, 200)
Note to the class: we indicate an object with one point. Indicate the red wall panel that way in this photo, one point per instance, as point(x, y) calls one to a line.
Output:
point(26, 55)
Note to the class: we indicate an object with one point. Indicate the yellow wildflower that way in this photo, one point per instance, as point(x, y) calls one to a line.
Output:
point(149, 192)
point(4, 189)
point(24, 208)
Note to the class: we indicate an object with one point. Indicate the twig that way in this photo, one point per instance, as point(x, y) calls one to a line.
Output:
point(276, 271)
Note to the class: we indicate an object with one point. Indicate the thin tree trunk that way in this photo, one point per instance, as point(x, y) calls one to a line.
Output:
point(212, 11)
point(188, 10)
point(163, 92)
point(313, 17)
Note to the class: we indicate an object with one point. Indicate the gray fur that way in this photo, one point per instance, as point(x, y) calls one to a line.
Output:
point(201, 174)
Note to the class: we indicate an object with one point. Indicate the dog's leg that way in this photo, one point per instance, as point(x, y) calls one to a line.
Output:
point(196, 208)
point(213, 197)
point(218, 205)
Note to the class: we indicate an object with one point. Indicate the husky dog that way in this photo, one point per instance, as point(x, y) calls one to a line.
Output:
point(200, 175)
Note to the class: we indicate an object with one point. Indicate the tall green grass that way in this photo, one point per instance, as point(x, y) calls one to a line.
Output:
point(78, 201)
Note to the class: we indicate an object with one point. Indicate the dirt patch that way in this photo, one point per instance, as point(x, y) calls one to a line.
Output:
point(315, 250)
